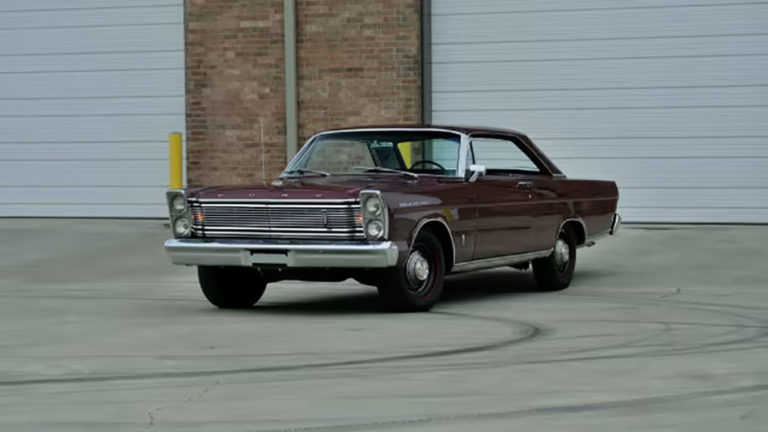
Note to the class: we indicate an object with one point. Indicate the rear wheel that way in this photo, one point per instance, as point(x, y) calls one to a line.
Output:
point(231, 287)
point(555, 272)
point(417, 284)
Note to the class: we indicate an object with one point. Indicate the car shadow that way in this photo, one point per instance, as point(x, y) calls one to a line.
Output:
point(458, 289)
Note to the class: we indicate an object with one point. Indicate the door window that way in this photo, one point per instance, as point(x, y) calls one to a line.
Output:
point(502, 155)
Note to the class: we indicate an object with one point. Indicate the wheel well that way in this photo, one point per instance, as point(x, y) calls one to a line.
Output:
point(578, 228)
point(442, 233)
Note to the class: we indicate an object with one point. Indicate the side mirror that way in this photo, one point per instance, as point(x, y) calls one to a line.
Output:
point(477, 171)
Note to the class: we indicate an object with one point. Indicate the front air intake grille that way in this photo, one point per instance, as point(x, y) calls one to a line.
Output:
point(278, 220)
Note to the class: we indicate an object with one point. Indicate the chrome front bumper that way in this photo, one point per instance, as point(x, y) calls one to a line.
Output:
point(294, 254)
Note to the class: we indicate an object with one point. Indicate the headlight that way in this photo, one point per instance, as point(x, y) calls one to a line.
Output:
point(373, 206)
point(179, 204)
point(374, 229)
point(182, 227)
point(375, 217)
point(180, 217)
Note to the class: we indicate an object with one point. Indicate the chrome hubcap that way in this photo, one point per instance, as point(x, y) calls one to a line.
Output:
point(416, 268)
point(562, 254)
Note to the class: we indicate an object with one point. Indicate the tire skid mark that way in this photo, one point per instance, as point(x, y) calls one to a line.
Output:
point(529, 331)
point(545, 410)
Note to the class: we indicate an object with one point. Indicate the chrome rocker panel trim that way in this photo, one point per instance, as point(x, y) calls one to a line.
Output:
point(502, 261)
point(296, 254)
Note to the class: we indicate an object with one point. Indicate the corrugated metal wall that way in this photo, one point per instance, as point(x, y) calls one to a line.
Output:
point(89, 91)
point(667, 97)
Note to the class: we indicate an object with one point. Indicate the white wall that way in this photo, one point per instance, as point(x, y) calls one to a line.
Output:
point(89, 90)
point(667, 97)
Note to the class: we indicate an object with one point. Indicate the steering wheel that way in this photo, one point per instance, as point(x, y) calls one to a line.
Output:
point(425, 161)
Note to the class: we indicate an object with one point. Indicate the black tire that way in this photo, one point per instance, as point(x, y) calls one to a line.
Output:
point(406, 292)
point(231, 287)
point(551, 273)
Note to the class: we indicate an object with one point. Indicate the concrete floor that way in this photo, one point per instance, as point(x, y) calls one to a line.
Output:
point(663, 329)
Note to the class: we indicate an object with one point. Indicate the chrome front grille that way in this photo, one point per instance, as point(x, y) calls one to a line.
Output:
point(278, 219)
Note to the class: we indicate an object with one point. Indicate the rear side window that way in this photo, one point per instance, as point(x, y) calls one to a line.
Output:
point(502, 155)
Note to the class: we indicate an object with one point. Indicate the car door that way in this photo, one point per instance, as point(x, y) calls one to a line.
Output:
point(512, 200)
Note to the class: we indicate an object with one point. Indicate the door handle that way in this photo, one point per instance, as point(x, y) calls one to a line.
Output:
point(525, 184)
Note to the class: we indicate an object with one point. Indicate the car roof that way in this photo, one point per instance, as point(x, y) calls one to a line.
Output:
point(469, 130)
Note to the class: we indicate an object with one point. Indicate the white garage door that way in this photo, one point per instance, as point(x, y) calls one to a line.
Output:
point(89, 90)
point(667, 97)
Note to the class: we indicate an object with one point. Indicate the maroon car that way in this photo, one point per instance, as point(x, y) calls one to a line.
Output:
point(394, 207)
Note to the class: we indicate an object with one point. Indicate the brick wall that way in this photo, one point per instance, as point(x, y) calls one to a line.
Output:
point(358, 63)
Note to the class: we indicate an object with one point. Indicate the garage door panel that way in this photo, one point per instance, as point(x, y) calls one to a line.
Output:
point(83, 128)
point(581, 74)
point(615, 123)
point(609, 23)
point(118, 83)
point(687, 215)
point(671, 173)
point(665, 97)
point(653, 46)
point(695, 198)
point(106, 61)
point(85, 106)
point(561, 99)
point(43, 5)
point(74, 173)
point(94, 150)
point(458, 7)
point(115, 16)
point(83, 195)
point(89, 91)
point(93, 39)
point(154, 210)
point(656, 148)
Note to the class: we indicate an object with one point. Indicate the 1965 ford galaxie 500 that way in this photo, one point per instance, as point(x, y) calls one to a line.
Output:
point(394, 207)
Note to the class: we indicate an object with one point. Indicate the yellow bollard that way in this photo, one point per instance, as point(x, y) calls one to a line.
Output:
point(174, 160)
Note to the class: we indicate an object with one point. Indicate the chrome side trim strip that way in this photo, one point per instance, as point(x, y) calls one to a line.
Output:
point(502, 261)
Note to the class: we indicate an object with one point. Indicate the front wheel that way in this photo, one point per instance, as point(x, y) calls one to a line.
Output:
point(231, 287)
point(555, 272)
point(417, 284)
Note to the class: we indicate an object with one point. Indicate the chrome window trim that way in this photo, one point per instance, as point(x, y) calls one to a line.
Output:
point(421, 224)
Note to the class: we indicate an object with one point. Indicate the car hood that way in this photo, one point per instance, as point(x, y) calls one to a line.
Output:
point(316, 187)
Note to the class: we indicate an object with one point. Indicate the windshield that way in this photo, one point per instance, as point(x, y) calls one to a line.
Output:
point(384, 151)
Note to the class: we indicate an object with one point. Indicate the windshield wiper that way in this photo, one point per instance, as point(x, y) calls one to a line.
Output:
point(383, 169)
point(307, 171)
